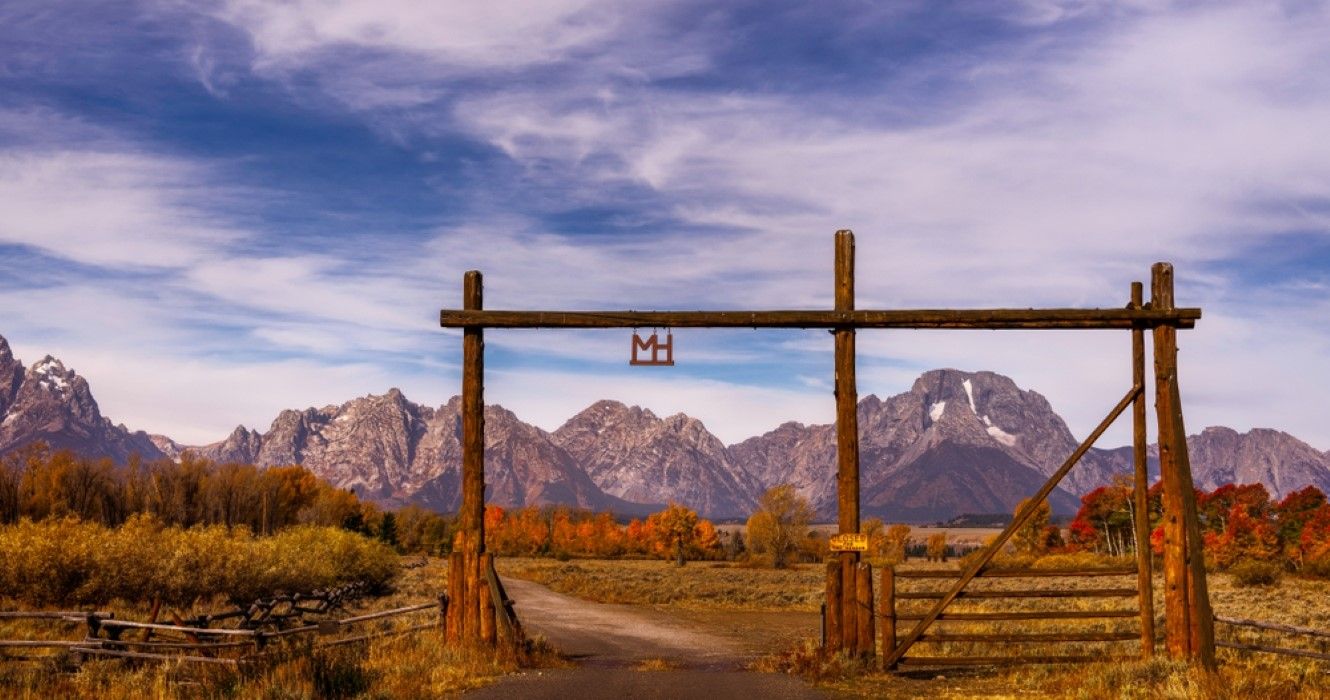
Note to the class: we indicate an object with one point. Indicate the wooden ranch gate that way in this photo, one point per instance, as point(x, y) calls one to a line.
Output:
point(1189, 631)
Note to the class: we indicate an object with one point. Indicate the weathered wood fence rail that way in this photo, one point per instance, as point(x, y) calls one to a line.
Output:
point(106, 636)
point(984, 627)
point(1321, 638)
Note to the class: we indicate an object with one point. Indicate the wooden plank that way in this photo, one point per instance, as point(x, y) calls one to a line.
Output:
point(1030, 638)
point(887, 606)
point(979, 319)
point(1023, 615)
point(1141, 486)
point(1006, 660)
point(1019, 573)
point(866, 635)
point(986, 555)
point(1030, 593)
point(1290, 629)
point(832, 616)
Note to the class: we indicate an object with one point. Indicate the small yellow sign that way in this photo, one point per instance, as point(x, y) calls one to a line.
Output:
point(849, 542)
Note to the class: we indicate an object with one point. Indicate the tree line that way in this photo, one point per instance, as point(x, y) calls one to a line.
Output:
point(1239, 523)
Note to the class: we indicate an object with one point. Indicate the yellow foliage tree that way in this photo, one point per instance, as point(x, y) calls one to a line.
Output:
point(779, 523)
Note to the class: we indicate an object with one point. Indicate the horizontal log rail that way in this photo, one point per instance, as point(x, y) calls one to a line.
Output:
point(1007, 660)
point(66, 615)
point(1285, 651)
point(1029, 638)
point(38, 643)
point(160, 649)
point(982, 319)
point(97, 651)
point(389, 613)
point(130, 624)
point(1289, 629)
point(1025, 615)
point(164, 644)
point(1017, 573)
point(1029, 593)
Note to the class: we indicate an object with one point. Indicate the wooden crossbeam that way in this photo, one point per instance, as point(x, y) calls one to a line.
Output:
point(980, 319)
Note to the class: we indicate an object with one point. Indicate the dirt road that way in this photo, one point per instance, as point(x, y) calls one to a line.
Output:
point(703, 654)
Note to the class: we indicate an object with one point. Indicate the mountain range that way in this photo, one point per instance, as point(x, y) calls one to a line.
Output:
point(956, 442)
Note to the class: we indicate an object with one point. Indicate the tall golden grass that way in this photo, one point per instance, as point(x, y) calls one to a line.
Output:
point(72, 562)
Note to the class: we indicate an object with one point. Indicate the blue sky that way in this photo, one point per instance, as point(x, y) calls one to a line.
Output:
point(219, 210)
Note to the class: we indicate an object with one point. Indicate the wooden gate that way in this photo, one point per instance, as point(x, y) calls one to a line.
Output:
point(1046, 616)
point(1189, 631)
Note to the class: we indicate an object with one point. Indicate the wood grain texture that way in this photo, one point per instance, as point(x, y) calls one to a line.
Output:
point(977, 319)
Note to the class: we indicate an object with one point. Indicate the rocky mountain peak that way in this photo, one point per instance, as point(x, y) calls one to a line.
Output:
point(50, 402)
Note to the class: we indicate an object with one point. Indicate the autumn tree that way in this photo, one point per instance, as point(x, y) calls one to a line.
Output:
point(1104, 522)
point(675, 530)
point(780, 521)
point(937, 546)
point(894, 542)
point(1031, 537)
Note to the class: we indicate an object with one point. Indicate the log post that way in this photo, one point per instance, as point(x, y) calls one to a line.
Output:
point(487, 632)
point(1141, 493)
point(887, 598)
point(832, 619)
point(849, 620)
point(847, 440)
point(456, 590)
point(1188, 621)
point(472, 514)
point(863, 593)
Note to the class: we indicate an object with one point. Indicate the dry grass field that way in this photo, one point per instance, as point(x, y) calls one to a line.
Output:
point(415, 665)
point(721, 586)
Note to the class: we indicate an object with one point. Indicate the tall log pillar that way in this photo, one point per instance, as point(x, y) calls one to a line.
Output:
point(847, 450)
point(471, 621)
point(1188, 620)
point(1141, 495)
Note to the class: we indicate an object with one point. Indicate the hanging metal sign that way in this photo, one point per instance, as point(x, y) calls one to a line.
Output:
point(662, 354)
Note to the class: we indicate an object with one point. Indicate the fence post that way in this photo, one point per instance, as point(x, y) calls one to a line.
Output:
point(849, 624)
point(1188, 623)
point(887, 598)
point(833, 615)
point(865, 635)
point(1141, 495)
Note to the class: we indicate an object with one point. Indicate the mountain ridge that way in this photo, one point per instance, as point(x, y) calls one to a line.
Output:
point(955, 442)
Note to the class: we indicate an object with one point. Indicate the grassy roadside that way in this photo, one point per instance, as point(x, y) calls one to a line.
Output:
point(723, 586)
point(416, 665)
